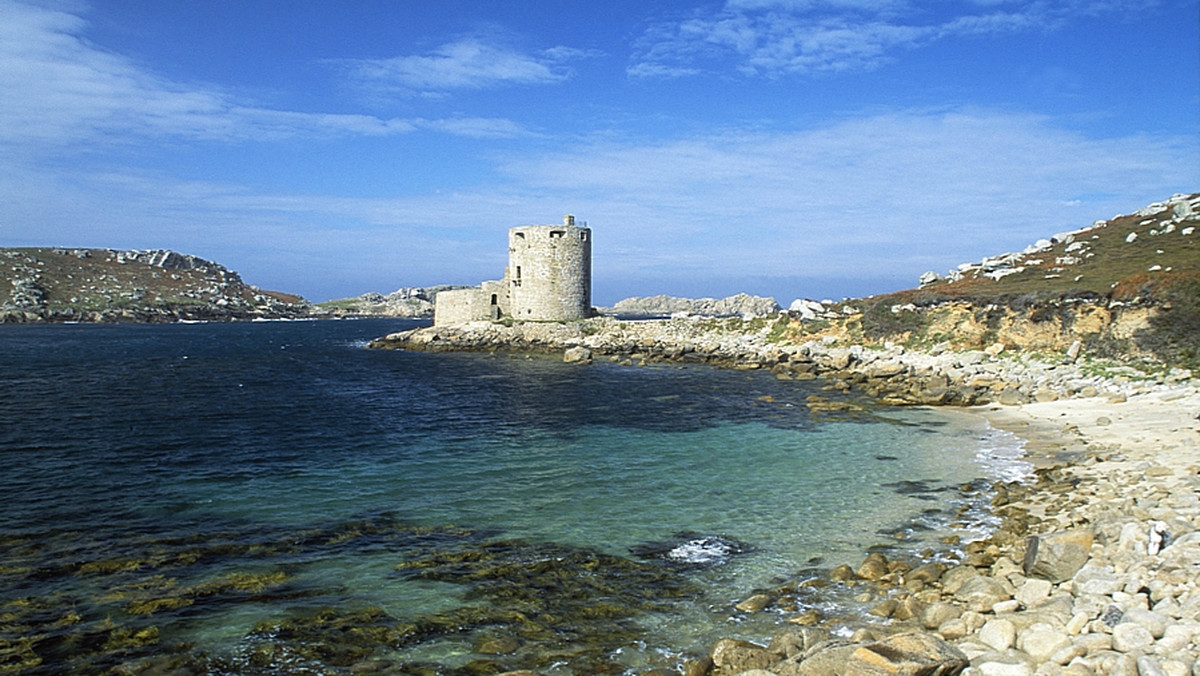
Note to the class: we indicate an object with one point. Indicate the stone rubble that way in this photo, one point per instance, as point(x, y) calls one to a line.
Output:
point(892, 374)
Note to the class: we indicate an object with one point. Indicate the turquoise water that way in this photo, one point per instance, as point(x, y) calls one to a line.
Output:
point(273, 498)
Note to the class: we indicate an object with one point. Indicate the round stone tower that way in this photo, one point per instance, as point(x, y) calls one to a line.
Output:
point(550, 271)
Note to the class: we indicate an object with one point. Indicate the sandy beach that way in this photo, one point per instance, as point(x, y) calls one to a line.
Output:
point(1160, 426)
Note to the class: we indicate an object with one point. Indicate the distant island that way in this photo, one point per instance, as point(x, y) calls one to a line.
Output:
point(106, 285)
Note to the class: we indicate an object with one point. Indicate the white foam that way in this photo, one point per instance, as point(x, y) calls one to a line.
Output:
point(702, 550)
point(1002, 455)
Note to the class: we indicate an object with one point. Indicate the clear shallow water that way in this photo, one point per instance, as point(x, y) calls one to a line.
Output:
point(207, 490)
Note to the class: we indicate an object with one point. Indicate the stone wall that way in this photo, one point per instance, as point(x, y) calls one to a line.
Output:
point(460, 307)
point(487, 302)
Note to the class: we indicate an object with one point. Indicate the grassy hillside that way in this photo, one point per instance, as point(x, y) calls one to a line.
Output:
point(1128, 258)
point(1126, 288)
point(54, 284)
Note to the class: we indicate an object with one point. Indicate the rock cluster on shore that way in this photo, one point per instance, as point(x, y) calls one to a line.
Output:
point(1074, 582)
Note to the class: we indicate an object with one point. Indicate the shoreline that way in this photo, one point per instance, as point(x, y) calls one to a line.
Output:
point(1065, 585)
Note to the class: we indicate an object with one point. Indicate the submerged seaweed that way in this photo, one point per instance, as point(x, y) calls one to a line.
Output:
point(525, 605)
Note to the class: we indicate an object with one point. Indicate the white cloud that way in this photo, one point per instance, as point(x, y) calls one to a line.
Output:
point(60, 90)
point(776, 37)
point(469, 63)
point(476, 127)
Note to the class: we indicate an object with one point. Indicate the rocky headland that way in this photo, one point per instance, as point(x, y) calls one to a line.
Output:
point(1085, 352)
point(105, 285)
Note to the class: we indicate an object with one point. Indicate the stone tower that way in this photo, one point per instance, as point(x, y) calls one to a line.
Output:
point(549, 278)
point(549, 271)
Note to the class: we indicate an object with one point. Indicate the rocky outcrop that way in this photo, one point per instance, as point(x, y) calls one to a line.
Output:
point(741, 305)
point(411, 302)
point(103, 285)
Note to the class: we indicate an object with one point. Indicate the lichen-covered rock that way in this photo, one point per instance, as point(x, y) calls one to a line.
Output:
point(1040, 641)
point(914, 654)
point(577, 355)
point(828, 658)
point(1058, 556)
point(873, 567)
point(1129, 637)
point(731, 656)
point(981, 593)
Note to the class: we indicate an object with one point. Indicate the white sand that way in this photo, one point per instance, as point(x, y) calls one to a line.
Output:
point(1160, 427)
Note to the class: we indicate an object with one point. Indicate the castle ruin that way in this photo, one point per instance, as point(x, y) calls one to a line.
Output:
point(548, 278)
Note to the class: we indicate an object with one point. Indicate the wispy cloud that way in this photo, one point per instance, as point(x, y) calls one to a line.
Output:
point(476, 127)
point(60, 90)
point(777, 37)
point(468, 63)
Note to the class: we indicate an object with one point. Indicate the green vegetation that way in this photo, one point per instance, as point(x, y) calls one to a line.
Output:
point(878, 321)
point(779, 329)
point(1100, 264)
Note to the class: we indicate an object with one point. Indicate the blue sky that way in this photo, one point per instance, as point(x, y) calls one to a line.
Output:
point(791, 148)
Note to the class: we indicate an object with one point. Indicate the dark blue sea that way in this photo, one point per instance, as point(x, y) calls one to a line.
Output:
point(274, 498)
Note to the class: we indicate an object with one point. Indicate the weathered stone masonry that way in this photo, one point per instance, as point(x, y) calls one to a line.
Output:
point(549, 278)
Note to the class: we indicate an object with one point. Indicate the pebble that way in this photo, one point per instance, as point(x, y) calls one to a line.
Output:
point(1148, 666)
point(1128, 637)
point(998, 634)
point(1154, 622)
point(1033, 591)
point(1003, 669)
point(1040, 641)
